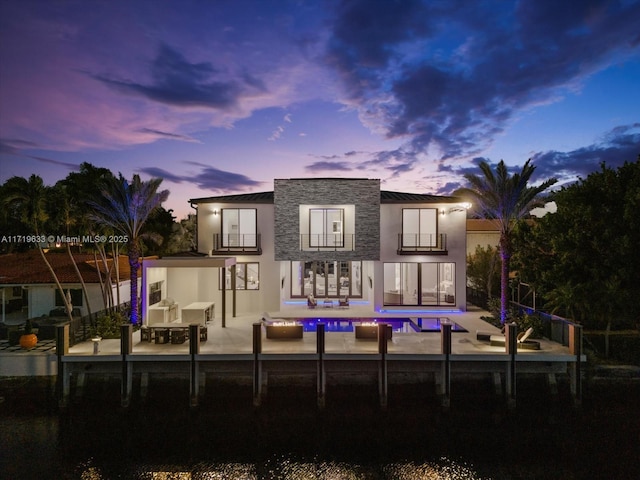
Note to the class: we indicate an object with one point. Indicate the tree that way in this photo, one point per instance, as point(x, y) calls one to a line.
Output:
point(482, 270)
point(125, 207)
point(507, 199)
point(29, 198)
point(584, 258)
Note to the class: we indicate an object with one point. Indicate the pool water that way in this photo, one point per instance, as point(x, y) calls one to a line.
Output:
point(428, 324)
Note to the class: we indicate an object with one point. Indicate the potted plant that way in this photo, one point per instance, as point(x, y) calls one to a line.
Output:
point(28, 339)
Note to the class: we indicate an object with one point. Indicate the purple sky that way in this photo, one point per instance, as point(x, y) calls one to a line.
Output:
point(222, 97)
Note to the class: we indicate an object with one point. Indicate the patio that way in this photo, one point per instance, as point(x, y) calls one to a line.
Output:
point(237, 337)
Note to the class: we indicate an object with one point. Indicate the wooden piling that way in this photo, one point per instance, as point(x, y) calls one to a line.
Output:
point(383, 385)
point(320, 344)
point(194, 370)
point(445, 338)
point(257, 364)
point(126, 349)
point(511, 346)
point(62, 380)
point(575, 348)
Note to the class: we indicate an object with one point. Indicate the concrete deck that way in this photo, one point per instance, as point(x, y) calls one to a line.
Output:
point(236, 337)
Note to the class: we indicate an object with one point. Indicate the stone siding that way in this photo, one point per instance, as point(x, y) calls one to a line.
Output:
point(364, 194)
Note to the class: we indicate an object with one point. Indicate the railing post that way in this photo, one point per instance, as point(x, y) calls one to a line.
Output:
point(194, 374)
point(126, 348)
point(511, 345)
point(575, 348)
point(320, 331)
point(382, 373)
point(62, 379)
point(445, 337)
point(257, 364)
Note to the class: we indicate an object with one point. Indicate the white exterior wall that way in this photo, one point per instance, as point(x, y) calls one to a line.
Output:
point(275, 276)
point(42, 298)
point(452, 224)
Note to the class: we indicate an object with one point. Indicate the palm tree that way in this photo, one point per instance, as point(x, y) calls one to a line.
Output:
point(507, 199)
point(125, 207)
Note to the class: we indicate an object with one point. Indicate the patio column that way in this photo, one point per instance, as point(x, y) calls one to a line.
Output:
point(233, 290)
point(224, 297)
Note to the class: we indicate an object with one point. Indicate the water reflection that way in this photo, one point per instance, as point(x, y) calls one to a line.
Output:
point(285, 468)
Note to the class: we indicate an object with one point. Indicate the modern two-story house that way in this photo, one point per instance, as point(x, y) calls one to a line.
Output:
point(327, 237)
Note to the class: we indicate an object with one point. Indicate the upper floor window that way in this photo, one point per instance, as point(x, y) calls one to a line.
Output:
point(326, 227)
point(419, 227)
point(239, 227)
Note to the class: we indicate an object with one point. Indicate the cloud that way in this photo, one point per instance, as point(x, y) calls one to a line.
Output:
point(207, 178)
point(14, 148)
point(156, 172)
point(435, 75)
point(329, 166)
point(170, 136)
point(619, 145)
point(178, 82)
point(279, 130)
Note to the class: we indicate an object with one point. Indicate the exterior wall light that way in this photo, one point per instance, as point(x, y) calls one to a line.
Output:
point(215, 212)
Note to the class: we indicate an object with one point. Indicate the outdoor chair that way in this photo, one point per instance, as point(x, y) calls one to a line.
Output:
point(522, 341)
point(311, 301)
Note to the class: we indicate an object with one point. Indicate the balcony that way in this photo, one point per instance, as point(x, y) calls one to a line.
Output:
point(417, 243)
point(327, 242)
point(248, 244)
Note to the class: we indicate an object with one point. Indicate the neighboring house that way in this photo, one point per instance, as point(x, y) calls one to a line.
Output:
point(26, 284)
point(326, 237)
point(482, 232)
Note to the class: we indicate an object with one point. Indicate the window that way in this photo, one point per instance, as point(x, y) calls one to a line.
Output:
point(239, 227)
point(155, 292)
point(326, 279)
point(76, 297)
point(247, 276)
point(419, 283)
point(325, 227)
point(419, 227)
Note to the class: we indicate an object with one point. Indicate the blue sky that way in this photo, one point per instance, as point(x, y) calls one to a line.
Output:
point(223, 96)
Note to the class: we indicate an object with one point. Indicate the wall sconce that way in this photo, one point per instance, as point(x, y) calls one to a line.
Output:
point(215, 212)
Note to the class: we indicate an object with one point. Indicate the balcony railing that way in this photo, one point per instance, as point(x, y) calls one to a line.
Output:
point(249, 244)
point(412, 243)
point(323, 242)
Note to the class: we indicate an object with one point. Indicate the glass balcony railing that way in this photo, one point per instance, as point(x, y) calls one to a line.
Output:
point(411, 243)
point(323, 242)
point(237, 242)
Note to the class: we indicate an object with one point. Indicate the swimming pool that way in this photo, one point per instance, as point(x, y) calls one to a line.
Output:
point(398, 324)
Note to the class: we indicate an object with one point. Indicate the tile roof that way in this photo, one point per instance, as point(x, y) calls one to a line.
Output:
point(402, 197)
point(28, 268)
point(385, 197)
point(261, 197)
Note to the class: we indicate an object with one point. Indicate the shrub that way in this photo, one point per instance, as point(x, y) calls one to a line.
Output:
point(108, 325)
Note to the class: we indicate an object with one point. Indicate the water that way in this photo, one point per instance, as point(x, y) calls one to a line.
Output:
point(288, 438)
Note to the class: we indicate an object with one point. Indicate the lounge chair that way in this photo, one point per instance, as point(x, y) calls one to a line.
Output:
point(311, 301)
point(523, 340)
